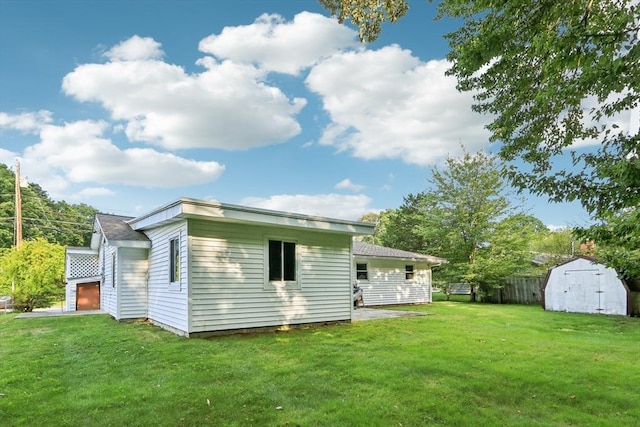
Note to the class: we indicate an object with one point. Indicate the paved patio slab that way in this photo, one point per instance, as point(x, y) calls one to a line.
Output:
point(379, 313)
point(57, 313)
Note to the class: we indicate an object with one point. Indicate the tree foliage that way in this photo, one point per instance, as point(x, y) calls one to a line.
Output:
point(466, 218)
point(33, 274)
point(554, 76)
point(367, 15)
point(57, 222)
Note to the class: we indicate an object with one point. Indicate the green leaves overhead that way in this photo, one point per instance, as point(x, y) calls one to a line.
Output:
point(367, 15)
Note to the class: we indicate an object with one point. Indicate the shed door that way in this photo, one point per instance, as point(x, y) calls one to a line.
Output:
point(582, 292)
point(88, 296)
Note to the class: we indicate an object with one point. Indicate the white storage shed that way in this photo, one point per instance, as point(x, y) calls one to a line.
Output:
point(583, 285)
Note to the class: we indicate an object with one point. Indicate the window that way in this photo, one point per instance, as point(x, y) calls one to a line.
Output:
point(113, 270)
point(408, 272)
point(174, 260)
point(361, 272)
point(282, 261)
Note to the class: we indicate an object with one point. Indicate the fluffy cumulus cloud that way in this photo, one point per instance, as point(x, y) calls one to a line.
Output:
point(346, 184)
point(326, 205)
point(387, 103)
point(135, 48)
point(78, 152)
point(28, 122)
point(228, 105)
point(276, 45)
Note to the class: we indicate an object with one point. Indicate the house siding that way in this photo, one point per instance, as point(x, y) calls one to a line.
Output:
point(108, 292)
point(166, 306)
point(387, 284)
point(227, 281)
point(132, 282)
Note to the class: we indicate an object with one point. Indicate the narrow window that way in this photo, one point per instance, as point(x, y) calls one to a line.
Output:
point(113, 270)
point(282, 261)
point(408, 272)
point(174, 260)
point(361, 272)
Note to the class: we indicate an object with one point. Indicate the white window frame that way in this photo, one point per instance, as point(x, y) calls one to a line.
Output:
point(113, 269)
point(366, 271)
point(408, 272)
point(275, 285)
point(174, 282)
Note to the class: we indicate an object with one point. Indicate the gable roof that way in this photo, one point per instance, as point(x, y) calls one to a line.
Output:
point(362, 249)
point(118, 232)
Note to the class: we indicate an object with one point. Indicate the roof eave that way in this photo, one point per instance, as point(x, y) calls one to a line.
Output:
point(192, 208)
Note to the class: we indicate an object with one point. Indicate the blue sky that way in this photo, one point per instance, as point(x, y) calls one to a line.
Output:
point(127, 105)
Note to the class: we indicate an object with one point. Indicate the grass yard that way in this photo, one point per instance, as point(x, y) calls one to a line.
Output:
point(463, 365)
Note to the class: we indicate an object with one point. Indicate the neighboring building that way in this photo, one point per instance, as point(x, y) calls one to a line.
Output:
point(391, 276)
point(582, 285)
point(195, 267)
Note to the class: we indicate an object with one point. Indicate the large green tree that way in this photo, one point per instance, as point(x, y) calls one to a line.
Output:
point(552, 75)
point(466, 218)
point(33, 274)
point(55, 221)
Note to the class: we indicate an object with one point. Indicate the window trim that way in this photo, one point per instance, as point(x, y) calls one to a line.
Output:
point(175, 269)
point(274, 285)
point(366, 271)
point(113, 269)
point(409, 270)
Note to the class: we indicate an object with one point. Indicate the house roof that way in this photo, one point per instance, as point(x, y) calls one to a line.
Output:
point(215, 211)
point(362, 249)
point(118, 232)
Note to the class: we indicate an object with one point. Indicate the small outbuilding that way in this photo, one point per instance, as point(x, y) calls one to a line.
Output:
point(583, 285)
point(392, 276)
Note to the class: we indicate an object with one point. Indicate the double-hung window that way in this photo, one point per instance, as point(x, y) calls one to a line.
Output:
point(282, 263)
point(174, 261)
point(409, 274)
point(361, 271)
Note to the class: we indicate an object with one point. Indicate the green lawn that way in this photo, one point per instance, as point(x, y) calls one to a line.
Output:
point(462, 365)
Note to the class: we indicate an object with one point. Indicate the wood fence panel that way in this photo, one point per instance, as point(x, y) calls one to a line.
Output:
point(518, 290)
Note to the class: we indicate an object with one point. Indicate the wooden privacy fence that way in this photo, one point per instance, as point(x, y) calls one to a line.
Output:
point(518, 290)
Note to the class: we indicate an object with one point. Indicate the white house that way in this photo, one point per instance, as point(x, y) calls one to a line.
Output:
point(195, 267)
point(392, 276)
point(582, 285)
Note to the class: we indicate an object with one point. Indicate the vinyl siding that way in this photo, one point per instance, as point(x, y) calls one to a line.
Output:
point(227, 278)
point(108, 293)
point(387, 284)
point(167, 306)
point(132, 283)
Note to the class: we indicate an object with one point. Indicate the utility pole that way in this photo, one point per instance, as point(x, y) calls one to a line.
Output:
point(18, 219)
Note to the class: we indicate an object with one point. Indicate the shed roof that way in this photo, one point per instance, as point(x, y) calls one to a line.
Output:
point(363, 249)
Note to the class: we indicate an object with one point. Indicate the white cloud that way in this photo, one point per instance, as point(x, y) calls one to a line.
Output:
point(326, 205)
point(78, 152)
point(386, 103)
point(135, 48)
point(276, 45)
point(227, 106)
point(346, 184)
point(28, 122)
point(90, 192)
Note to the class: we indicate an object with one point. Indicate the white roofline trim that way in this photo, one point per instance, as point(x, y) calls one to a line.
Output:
point(194, 208)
